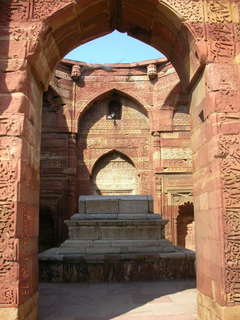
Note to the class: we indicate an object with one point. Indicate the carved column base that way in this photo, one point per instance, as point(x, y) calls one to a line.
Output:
point(26, 311)
point(208, 309)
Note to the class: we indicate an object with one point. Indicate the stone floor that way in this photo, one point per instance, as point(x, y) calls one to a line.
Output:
point(160, 300)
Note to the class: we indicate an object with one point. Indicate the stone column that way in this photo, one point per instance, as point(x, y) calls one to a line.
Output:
point(216, 152)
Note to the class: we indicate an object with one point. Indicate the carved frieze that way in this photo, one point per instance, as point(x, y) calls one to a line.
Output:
point(27, 36)
point(218, 11)
point(197, 29)
point(230, 154)
point(8, 295)
point(220, 42)
point(8, 245)
point(44, 8)
point(190, 10)
point(14, 10)
point(11, 126)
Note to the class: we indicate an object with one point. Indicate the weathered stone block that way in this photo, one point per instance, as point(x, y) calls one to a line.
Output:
point(133, 205)
point(101, 206)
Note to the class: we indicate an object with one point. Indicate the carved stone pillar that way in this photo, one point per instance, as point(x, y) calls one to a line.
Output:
point(20, 125)
point(216, 148)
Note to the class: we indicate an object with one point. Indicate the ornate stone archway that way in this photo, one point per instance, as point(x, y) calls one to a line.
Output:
point(193, 33)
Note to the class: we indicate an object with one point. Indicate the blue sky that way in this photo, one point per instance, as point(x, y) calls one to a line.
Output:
point(115, 47)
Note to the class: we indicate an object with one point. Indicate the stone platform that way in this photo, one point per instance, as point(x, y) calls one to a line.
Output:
point(116, 238)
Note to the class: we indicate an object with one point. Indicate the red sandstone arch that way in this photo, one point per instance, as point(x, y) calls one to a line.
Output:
point(151, 21)
point(104, 154)
point(104, 94)
point(35, 36)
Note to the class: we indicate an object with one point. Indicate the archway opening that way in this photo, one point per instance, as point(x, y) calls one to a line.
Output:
point(114, 48)
point(186, 226)
point(176, 42)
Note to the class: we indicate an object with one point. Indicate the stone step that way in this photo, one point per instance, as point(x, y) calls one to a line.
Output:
point(109, 230)
point(115, 246)
point(119, 216)
point(115, 204)
point(115, 243)
point(56, 254)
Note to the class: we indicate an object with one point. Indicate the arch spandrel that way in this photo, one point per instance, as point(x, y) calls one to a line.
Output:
point(68, 24)
point(189, 17)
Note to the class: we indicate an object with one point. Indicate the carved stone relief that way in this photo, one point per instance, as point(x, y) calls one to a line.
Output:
point(8, 244)
point(190, 10)
point(230, 154)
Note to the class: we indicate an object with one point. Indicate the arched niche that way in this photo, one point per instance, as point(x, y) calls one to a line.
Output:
point(114, 174)
point(99, 106)
point(97, 129)
point(186, 226)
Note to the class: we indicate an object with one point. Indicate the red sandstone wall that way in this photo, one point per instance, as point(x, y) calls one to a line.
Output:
point(154, 133)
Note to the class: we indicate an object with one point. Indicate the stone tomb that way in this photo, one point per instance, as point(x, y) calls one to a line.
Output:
point(116, 238)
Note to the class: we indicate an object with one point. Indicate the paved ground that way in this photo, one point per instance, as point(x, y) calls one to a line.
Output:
point(160, 300)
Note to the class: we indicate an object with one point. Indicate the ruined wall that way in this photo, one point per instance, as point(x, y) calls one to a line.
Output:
point(81, 146)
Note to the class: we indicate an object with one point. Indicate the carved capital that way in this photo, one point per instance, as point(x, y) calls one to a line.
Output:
point(76, 72)
point(152, 71)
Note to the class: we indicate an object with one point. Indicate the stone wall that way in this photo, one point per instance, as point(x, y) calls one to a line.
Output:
point(201, 37)
point(146, 150)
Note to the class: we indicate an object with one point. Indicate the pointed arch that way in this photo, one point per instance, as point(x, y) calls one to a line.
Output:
point(165, 26)
point(106, 93)
point(114, 173)
point(105, 154)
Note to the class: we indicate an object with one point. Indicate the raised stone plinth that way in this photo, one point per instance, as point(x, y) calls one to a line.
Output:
point(118, 234)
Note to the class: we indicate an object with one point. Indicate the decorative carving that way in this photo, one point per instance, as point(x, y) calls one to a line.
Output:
point(190, 10)
point(221, 42)
point(14, 10)
point(226, 101)
point(30, 35)
point(230, 154)
point(218, 11)
point(180, 198)
point(197, 29)
point(34, 35)
point(152, 71)
point(11, 126)
point(43, 8)
point(8, 245)
point(76, 72)
point(237, 30)
point(8, 295)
